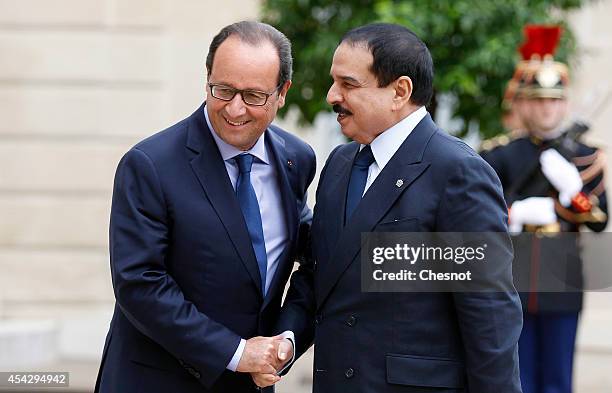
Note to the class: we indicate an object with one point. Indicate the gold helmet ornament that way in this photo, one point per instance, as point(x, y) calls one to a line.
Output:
point(538, 75)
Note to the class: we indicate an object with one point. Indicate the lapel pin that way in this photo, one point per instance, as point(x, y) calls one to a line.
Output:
point(399, 183)
point(289, 162)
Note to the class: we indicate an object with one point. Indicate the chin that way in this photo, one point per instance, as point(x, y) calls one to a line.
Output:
point(347, 132)
point(548, 129)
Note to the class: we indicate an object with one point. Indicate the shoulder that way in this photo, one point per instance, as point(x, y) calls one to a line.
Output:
point(293, 142)
point(512, 149)
point(164, 144)
point(452, 159)
point(501, 140)
point(445, 150)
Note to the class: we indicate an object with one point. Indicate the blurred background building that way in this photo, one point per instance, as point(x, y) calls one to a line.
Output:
point(83, 80)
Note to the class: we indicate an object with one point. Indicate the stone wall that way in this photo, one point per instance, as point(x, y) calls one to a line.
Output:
point(80, 82)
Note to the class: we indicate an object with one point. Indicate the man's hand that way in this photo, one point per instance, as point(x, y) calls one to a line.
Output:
point(284, 354)
point(562, 174)
point(265, 355)
point(265, 380)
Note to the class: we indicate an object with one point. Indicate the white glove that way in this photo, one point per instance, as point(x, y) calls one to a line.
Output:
point(532, 211)
point(562, 174)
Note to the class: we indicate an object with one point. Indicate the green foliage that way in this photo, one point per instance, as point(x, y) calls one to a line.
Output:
point(473, 44)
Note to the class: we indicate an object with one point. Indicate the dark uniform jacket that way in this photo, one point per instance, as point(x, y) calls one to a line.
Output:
point(545, 260)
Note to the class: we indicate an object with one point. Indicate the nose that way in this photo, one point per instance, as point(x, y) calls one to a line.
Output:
point(236, 107)
point(333, 96)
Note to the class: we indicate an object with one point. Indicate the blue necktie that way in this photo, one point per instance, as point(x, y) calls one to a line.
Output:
point(357, 182)
point(250, 210)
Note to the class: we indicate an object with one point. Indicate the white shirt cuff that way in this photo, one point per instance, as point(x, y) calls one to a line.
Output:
point(288, 334)
point(233, 364)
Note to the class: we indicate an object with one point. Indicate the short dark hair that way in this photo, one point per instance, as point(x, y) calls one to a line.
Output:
point(255, 33)
point(397, 51)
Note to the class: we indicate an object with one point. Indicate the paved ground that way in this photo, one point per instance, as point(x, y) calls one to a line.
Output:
point(593, 369)
point(593, 375)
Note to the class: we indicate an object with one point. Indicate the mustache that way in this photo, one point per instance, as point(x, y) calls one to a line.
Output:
point(341, 110)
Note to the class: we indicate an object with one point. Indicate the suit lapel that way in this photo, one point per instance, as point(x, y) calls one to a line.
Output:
point(284, 161)
point(401, 171)
point(210, 170)
point(337, 193)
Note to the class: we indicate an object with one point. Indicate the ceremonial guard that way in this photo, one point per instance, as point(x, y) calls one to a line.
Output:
point(553, 185)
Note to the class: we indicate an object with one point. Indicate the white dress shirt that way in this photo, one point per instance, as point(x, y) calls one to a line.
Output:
point(264, 179)
point(385, 145)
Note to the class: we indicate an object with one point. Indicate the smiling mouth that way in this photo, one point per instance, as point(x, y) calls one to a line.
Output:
point(239, 123)
point(342, 112)
point(342, 116)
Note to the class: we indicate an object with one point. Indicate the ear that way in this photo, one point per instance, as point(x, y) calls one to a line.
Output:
point(403, 92)
point(282, 93)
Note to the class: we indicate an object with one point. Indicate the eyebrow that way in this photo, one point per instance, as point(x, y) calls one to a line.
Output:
point(235, 88)
point(350, 79)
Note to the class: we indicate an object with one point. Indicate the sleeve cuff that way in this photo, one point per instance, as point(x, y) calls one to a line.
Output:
point(288, 334)
point(233, 364)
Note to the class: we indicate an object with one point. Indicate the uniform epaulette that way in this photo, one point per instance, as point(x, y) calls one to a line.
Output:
point(501, 140)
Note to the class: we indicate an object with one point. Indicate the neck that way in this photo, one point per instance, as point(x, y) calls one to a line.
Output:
point(548, 134)
point(406, 111)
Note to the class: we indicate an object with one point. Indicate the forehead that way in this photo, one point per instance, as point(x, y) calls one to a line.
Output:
point(352, 61)
point(245, 66)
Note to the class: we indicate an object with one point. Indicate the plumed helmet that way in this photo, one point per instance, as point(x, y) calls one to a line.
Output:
point(538, 74)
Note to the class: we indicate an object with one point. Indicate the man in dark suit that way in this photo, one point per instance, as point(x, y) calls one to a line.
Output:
point(205, 224)
point(401, 174)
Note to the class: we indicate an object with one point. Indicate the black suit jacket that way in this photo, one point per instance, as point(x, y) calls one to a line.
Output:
point(184, 272)
point(406, 342)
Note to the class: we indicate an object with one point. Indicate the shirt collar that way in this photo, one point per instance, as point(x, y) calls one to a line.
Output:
point(389, 141)
point(228, 151)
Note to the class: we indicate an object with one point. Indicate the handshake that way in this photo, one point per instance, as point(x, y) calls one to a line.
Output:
point(264, 358)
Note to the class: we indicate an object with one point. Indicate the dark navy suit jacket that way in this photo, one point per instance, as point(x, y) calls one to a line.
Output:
point(406, 342)
point(185, 276)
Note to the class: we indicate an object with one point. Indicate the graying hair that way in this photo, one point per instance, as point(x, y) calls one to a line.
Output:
point(255, 33)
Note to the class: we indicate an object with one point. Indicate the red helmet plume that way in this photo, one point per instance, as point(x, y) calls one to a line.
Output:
point(540, 41)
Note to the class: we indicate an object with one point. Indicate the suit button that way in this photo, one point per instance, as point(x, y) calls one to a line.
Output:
point(349, 373)
point(314, 266)
point(318, 319)
point(351, 321)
